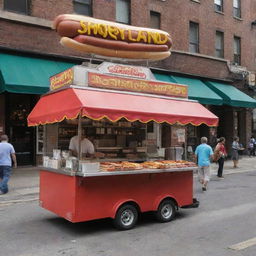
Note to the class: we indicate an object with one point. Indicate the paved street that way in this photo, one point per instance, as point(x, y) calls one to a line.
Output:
point(226, 217)
point(24, 183)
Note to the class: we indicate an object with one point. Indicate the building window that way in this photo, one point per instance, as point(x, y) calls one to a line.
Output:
point(123, 11)
point(237, 50)
point(18, 6)
point(193, 37)
point(219, 44)
point(218, 5)
point(237, 8)
point(83, 7)
point(155, 20)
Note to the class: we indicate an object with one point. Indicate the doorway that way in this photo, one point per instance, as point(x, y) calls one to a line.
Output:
point(22, 137)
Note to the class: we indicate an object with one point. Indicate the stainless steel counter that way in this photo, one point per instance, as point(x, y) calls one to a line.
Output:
point(98, 174)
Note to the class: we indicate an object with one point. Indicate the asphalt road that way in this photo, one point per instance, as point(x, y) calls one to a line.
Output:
point(226, 217)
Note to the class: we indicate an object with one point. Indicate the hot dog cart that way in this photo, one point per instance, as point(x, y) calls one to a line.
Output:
point(122, 108)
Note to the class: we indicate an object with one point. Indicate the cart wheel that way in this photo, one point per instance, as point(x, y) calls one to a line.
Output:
point(166, 211)
point(126, 217)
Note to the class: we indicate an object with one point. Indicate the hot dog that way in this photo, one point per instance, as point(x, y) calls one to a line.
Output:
point(112, 39)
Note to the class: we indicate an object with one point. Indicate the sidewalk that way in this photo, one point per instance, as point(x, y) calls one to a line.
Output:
point(246, 164)
point(24, 182)
point(23, 186)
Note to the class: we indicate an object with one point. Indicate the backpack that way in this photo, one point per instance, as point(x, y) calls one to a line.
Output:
point(216, 154)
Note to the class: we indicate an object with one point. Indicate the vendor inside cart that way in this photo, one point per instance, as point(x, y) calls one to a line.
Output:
point(87, 147)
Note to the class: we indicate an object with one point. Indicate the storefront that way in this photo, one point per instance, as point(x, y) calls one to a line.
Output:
point(232, 106)
point(23, 79)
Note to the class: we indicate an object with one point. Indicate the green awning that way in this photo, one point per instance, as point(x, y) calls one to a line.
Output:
point(19, 74)
point(197, 90)
point(231, 95)
point(164, 78)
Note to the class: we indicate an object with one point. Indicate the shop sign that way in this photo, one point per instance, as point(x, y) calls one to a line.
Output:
point(61, 79)
point(180, 135)
point(126, 70)
point(136, 85)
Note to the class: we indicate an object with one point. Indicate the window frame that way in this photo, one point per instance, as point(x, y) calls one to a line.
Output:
point(26, 11)
point(155, 14)
point(237, 10)
point(197, 36)
point(89, 5)
point(218, 7)
point(237, 55)
point(129, 13)
point(221, 49)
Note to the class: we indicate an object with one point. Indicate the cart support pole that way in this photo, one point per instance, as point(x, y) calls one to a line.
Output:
point(79, 133)
point(185, 149)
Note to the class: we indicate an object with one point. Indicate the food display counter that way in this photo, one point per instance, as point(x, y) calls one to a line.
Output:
point(99, 173)
point(129, 116)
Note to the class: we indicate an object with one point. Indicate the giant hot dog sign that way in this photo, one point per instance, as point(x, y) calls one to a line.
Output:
point(110, 39)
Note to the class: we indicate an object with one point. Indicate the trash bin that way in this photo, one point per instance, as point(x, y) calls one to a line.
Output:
point(174, 153)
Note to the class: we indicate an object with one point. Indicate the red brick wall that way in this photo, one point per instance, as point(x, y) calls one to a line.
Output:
point(175, 17)
point(103, 9)
point(196, 65)
point(177, 14)
point(51, 8)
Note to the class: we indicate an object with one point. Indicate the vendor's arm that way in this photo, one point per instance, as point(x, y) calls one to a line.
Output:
point(90, 149)
point(14, 159)
point(73, 153)
point(99, 155)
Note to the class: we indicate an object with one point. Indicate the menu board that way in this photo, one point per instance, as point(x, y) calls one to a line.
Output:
point(178, 136)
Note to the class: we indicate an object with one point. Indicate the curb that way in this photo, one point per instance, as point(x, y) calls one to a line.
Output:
point(9, 202)
point(20, 195)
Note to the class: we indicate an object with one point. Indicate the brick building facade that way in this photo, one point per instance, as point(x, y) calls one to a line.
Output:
point(30, 34)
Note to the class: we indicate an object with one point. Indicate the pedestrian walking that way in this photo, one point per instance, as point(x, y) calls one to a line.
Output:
point(203, 154)
point(221, 153)
point(235, 151)
point(254, 148)
point(251, 146)
point(7, 155)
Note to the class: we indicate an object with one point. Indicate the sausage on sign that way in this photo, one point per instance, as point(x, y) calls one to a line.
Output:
point(112, 39)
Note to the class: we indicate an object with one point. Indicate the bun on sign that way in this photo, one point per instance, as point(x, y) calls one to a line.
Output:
point(110, 39)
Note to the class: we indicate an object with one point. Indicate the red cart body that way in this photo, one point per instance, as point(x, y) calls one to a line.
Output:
point(78, 198)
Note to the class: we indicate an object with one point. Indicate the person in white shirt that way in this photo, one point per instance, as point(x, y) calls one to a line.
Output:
point(87, 148)
point(7, 156)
